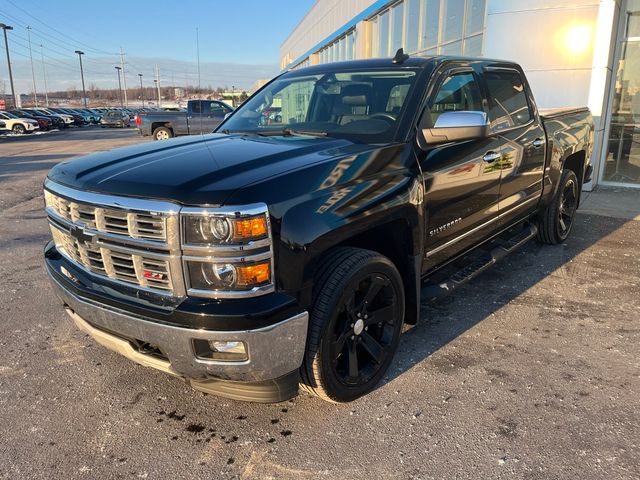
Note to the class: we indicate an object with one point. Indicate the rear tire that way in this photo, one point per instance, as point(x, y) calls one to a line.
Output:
point(355, 324)
point(557, 220)
point(162, 133)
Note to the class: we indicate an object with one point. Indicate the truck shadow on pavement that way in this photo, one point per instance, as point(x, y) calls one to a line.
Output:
point(444, 320)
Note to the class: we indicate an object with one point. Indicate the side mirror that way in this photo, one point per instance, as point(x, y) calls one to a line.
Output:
point(455, 127)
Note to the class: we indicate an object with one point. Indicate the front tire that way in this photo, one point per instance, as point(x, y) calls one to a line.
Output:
point(557, 220)
point(19, 129)
point(355, 324)
point(162, 133)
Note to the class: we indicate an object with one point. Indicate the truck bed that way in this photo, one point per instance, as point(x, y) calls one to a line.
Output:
point(551, 113)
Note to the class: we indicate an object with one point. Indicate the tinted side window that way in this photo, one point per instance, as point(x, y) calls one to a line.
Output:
point(458, 92)
point(508, 100)
point(217, 110)
point(196, 107)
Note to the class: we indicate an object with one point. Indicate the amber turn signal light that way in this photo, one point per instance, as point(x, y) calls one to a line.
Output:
point(252, 275)
point(247, 228)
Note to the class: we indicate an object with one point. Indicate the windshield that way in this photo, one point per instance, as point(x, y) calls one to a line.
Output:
point(9, 115)
point(364, 105)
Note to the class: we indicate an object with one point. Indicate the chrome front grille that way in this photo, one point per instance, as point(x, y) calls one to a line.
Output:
point(137, 269)
point(124, 239)
point(118, 222)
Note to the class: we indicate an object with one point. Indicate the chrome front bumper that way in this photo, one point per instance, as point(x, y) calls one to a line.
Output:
point(273, 351)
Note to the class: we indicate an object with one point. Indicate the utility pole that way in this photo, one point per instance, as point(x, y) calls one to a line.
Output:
point(33, 73)
point(120, 86)
point(141, 90)
point(157, 80)
point(84, 93)
point(6, 46)
point(44, 74)
point(124, 77)
point(198, 53)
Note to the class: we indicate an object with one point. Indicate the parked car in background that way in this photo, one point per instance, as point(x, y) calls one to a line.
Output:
point(202, 116)
point(55, 122)
point(115, 118)
point(43, 122)
point(3, 127)
point(78, 120)
point(67, 119)
point(19, 125)
point(88, 117)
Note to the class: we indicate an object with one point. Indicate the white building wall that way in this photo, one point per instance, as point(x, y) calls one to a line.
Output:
point(324, 18)
point(566, 49)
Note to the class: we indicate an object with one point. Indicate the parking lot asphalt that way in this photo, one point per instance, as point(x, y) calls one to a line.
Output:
point(530, 371)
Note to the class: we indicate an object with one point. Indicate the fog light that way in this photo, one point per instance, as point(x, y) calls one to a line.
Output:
point(230, 351)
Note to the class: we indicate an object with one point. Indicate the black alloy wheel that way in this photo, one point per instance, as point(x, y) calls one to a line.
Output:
point(556, 221)
point(363, 333)
point(567, 208)
point(354, 326)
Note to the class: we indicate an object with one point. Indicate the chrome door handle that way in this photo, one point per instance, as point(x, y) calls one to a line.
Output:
point(538, 142)
point(491, 157)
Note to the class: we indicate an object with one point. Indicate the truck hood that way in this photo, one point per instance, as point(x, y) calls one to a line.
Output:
point(200, 170)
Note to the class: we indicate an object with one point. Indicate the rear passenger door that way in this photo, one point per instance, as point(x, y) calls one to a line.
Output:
point(462, 187)
point(514, 119)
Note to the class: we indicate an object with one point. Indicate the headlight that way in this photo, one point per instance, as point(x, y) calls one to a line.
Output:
point(227, 251)
point(228, 276)
point(217, 230)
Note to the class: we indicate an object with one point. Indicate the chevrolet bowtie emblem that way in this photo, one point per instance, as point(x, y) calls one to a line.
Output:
point(79, 234)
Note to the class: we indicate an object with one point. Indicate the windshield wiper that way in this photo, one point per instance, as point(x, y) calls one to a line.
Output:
point(289, 132)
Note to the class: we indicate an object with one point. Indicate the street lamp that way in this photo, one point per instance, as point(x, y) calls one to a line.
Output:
point(6, 47)
point(141, 90)
point(33, 73)
point(120, 86)
point(84, 93)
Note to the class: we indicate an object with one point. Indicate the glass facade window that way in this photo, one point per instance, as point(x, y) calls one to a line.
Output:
point(430, 24)
point(622, 156)
point(453, 27)
point(453, 20)
point(474, 22)
point(426, 27)
point(383, 35)
point(397, 27)
point(454, 48)
point(412, 33)
point(473, 46)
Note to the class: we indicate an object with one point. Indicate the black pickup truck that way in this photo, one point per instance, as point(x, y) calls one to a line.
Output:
point(267, 256)
point(202, 116)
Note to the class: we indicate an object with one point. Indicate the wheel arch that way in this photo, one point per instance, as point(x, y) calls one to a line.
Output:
point(393, 234)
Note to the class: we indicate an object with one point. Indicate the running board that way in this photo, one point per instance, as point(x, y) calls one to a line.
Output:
point(436, 290)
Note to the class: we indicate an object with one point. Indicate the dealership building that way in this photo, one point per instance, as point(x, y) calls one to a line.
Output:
point(575, 53)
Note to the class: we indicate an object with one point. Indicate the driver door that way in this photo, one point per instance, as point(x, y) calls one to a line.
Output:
point(213, 114)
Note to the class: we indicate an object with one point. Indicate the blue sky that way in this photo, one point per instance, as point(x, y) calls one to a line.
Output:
point(239, 39)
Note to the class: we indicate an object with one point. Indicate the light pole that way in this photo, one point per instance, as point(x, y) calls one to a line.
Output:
point(6, 47)
point(141, 90)
point(44, 74)
point(84, 93)
point(33, 73)
point(120, 86)
point(158, 88)
point(198, 52)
